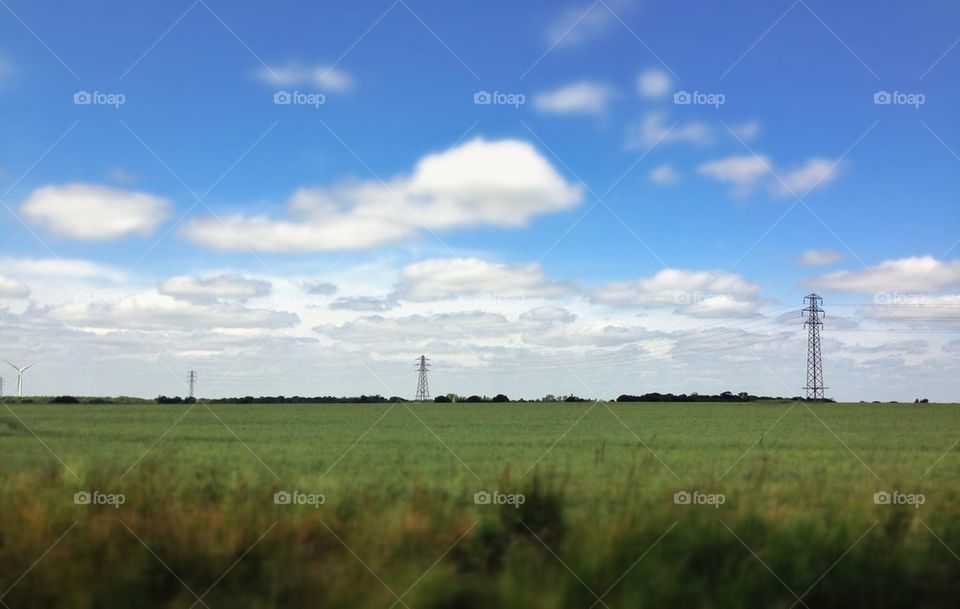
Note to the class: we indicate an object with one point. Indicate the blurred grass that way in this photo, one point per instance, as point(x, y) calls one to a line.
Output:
point(599, 481)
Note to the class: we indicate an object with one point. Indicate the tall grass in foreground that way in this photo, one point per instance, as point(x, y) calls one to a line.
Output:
point(598, 526)
point(231, 546)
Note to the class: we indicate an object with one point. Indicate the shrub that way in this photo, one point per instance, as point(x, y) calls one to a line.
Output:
point(65, 399)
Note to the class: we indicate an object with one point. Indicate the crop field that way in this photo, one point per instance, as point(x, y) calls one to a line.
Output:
point(582, 505)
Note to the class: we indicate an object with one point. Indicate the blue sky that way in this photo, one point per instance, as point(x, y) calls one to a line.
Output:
point(704, 206)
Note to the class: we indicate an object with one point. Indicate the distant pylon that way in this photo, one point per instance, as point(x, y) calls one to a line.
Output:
point(192, 381)
point(814, 314)
point(423, 390)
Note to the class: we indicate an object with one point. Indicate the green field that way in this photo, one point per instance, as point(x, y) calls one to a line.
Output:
point(399, 527)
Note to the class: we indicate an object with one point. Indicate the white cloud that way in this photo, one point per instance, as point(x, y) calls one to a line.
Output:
point(915, 309)
point(905, 275)
point(700, 293)
point(578, 25)
point(747, 130)
point(500, 183)
point(722, 305)
point(92, 212)
point(296, 74)
point(578, 98)
point(665, 175)
point(6, 69)
point(742, 171)
point(811, 258)
point(654, 83)
point(402, 331)
point(747, 171)
point(161, 312)
point(815, 173)
point(914, 346)
point(589, 335)
point(59, 267)
point(319, 288)
point(212, 289)
point(548, 315)
point(655, 128)
point(658, 331)
point(364, 303)
point(11, 288)
point(452, 277)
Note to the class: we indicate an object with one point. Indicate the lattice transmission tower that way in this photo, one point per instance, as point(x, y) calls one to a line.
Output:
point(814, 314)
point(423, 389)
point(192, 382)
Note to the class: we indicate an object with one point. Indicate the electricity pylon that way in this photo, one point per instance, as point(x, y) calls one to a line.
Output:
point(192, 382)
point(814, 321)
point(423, 390)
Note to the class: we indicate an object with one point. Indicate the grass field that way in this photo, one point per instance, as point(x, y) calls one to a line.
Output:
point(399, 526)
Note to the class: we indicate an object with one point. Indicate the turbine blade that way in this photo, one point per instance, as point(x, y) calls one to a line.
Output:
point(29, 367)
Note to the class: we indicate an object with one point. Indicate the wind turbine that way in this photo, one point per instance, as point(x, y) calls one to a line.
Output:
point(20, 372)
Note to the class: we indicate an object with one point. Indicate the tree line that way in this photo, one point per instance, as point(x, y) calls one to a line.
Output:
point(450, 398)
